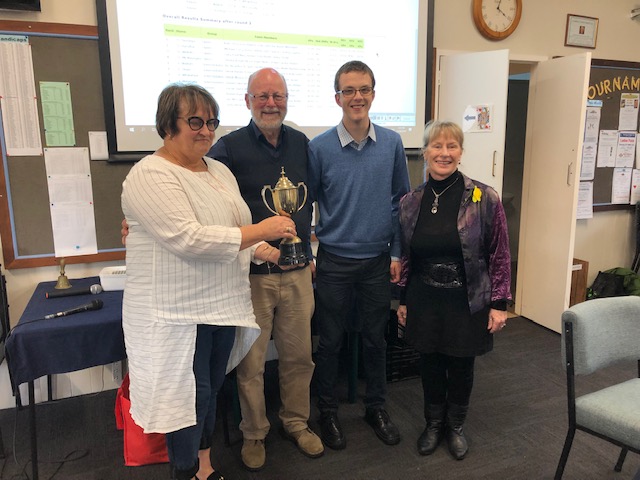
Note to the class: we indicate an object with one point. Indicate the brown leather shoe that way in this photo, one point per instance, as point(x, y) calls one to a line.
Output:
point(307, 442)
point(253, 454)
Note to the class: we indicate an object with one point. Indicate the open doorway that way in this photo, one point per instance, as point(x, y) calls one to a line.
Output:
point(517, 101)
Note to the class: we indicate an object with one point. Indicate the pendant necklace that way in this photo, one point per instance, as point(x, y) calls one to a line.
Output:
point(434, 205)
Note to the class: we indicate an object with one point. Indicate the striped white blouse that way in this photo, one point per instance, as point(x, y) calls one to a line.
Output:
point(184, 267)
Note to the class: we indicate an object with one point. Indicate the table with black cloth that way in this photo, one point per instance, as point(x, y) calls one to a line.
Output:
point(38, 347)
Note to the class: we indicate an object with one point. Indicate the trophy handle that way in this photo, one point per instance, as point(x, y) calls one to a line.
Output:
point(264, 198)
point(304, 200)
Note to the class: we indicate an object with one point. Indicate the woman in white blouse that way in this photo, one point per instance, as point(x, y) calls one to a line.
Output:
point(187, 313)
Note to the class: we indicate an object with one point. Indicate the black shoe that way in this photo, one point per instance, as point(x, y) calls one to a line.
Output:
point(458, 445)
point(429, 440)
point(386, 431)
point(434, 431)
point(331, 431)
point(456, 439)
point(214, 476)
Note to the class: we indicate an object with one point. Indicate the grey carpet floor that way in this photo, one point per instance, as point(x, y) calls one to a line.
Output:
point(516, 425)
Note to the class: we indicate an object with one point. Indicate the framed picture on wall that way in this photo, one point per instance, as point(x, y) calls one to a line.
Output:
point(581, 31)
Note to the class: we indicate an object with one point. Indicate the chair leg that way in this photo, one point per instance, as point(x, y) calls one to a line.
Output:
point(565, 453)
point(623, 455)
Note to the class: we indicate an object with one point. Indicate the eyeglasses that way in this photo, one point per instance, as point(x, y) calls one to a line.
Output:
point(196, 123)
point(264, 97)
point(350, 92)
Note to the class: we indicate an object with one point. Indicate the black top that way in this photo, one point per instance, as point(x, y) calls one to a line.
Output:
point(436, 239)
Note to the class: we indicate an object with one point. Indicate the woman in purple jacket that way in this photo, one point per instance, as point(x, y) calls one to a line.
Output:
point(456, 282)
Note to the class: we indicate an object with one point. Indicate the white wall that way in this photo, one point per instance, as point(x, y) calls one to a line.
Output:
point(605, 241)
point(542, 28)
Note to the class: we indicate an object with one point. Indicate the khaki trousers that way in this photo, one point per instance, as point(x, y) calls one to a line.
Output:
point(283, 304)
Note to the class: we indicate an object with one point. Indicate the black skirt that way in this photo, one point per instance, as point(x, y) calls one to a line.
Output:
point(438, 320)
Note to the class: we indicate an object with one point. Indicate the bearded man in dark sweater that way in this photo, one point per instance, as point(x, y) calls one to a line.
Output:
point(283, 300)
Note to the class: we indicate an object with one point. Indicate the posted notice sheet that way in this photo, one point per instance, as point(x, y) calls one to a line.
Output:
point(18, 98)
point(585, 200)
point(71, 201)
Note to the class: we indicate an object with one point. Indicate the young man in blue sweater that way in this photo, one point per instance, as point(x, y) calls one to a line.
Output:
point(357, 174)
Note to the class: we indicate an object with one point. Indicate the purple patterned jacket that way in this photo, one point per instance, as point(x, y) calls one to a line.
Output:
point(482, 227)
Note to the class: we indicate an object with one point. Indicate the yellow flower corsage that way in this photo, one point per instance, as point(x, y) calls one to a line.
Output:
point(477, 195)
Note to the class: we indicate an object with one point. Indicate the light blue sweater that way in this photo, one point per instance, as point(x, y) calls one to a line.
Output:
point(358, 193)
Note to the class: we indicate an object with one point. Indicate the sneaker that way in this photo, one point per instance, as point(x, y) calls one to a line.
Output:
point(253, 454)
point(307, 442)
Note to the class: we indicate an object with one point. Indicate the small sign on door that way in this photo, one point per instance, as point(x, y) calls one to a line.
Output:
point(477, 118)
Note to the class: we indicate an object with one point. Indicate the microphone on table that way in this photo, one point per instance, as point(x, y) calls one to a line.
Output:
point(94, 305)
point(94, 289)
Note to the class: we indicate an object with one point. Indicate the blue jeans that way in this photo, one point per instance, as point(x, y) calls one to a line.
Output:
point(341, 282)
point(213, 346)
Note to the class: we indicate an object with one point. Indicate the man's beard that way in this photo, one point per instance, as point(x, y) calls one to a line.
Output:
point(270, 123)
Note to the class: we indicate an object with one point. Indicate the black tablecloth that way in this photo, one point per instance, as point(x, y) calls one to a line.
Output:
point(37, 347)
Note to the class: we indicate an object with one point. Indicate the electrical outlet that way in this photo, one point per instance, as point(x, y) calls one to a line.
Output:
point(116, 372)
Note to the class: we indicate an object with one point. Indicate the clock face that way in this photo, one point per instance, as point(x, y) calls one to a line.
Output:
point(497, 19)
point(499, 14)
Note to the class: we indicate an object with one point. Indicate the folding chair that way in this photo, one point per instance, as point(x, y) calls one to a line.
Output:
point(597, 334)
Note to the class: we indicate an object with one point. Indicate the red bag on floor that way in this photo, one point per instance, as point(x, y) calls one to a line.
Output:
point(139, 448)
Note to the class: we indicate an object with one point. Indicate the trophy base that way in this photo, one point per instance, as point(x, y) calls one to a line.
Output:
point(292, 253)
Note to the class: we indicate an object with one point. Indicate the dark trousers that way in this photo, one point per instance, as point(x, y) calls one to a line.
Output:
point(446, 378)
point(213, 346)
point(341, 282)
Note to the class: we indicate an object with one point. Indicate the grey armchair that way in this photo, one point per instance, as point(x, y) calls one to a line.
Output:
point(596, 334)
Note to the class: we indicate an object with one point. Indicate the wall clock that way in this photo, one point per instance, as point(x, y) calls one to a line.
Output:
point(497, 19)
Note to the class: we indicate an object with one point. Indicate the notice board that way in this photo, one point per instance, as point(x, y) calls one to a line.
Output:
point(61, 53)
point(608, 80)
